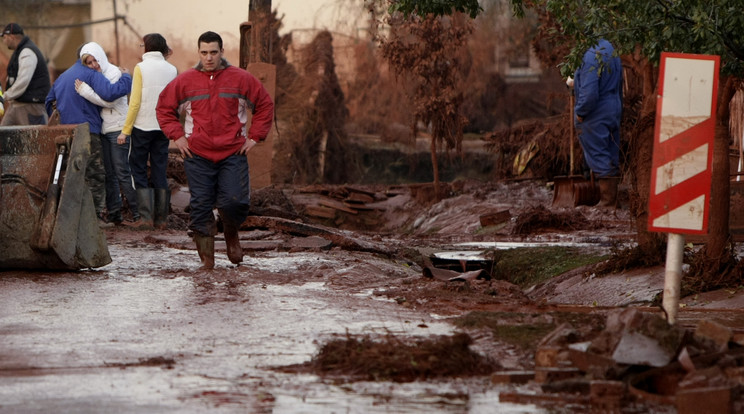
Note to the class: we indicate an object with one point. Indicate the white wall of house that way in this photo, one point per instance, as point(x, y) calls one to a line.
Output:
point(179, 21)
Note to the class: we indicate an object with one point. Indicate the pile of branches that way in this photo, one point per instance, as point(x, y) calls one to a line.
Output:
point(553, 138)
point(394, 359)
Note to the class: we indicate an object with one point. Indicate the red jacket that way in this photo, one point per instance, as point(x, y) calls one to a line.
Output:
point(215, 106)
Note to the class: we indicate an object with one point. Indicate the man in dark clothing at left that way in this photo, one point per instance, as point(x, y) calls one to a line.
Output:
point(28, 80)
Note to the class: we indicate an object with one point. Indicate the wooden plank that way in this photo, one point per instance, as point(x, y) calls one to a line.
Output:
point(357, 190)
point(361, 207)
point(320, 211)
point(494, 218)
point(338, 205)
point(360, 198)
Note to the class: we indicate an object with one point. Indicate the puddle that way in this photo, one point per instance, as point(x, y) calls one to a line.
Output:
point(71, 342)
point(411, 398)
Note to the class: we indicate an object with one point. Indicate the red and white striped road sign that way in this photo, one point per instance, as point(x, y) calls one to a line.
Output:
point(683, 143)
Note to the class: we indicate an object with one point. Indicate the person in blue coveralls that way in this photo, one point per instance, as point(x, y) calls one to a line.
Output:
point(598, 85)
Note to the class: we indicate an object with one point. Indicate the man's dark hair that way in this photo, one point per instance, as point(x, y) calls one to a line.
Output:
point(155, 42)
point(77, 52)
point(209, 37)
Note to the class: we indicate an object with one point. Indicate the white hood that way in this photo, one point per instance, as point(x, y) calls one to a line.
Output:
point(115, 114)
point(96, 50)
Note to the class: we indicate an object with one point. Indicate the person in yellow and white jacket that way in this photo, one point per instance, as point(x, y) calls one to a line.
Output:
point(149, 144)
point(2, 103)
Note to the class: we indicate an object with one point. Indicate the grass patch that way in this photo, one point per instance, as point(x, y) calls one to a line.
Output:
point(525, 330)
point(508, 327)
point(528, 266)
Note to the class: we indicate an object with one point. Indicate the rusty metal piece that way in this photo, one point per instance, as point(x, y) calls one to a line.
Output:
point(37, 234)
point(447, 275)
point(465, 261)
point(574, 190)
point(42, 234)
point(586, 193)
point(563, 190)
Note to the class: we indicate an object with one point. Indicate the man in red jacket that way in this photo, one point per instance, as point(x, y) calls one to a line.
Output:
point(215, 98)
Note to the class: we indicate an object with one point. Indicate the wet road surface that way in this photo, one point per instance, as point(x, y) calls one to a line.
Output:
point(151, 333)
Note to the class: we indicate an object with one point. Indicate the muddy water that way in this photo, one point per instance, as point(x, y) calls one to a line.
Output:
point(151, 333)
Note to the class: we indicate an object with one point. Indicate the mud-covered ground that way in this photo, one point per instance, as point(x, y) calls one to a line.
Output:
point(150, 332)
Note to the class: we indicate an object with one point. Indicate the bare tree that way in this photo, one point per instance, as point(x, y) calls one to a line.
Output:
point(427, 51)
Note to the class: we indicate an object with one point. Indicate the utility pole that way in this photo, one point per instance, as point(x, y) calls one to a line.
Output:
point(255, 57)
point(116, 33)
point(255, 34)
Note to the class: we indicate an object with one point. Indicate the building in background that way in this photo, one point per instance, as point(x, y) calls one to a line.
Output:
point(180, 22)
point(57, 27)
point(60, 27)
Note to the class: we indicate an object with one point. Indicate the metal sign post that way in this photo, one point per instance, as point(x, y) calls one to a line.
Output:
point(683, 157)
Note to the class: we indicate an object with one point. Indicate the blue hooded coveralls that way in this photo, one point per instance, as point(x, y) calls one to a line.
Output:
point(598, 84)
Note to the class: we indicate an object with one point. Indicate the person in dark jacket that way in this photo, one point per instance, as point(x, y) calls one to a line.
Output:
point(215, 99)
point(28, 80)
point(598, 86)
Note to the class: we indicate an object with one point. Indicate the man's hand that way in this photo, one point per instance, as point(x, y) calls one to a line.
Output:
point(121, 139)
point(183, 146)
point(249, 143)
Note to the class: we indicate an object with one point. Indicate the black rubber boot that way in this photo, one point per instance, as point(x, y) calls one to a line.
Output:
point(115, 217)
point(162, 208)
point(232, 240)
point(205, 248)
point(145, 206)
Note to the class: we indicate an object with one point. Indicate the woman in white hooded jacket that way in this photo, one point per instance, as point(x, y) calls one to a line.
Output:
point(115, 153)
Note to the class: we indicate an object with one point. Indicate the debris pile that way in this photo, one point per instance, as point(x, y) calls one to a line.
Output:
point(338, 204)
point(637, 358)
point(391, 358)
point(368, 208)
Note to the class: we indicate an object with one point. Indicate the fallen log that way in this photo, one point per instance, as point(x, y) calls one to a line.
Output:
point(339, 238)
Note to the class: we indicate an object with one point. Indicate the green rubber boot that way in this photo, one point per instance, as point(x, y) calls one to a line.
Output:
point(205, 248)
point(145, 205)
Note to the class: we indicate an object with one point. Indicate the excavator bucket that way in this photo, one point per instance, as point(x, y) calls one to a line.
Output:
point(47, 217)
